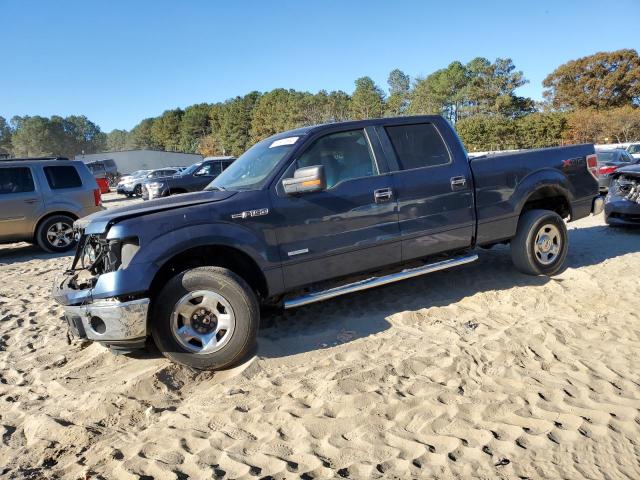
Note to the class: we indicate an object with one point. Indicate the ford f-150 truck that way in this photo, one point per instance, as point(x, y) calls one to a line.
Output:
point(310, 214)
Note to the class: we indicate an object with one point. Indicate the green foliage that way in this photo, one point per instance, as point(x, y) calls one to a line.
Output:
point(141, 136)
point(399, 91)
point(194, 125)
point(367, 100)
point(117, 140)
point(5, 136)
point(276, 111)
point(165, 131)
point(477, 88)
point(235, 130)
point(603, 80)
point(38, 136)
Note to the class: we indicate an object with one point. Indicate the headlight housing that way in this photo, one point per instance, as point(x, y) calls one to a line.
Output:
point(99, 255)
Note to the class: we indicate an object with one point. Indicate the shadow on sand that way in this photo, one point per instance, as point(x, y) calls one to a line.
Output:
point(359, 315)
point(362, 314)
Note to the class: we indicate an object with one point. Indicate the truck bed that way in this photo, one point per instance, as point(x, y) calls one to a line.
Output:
point(504, 182)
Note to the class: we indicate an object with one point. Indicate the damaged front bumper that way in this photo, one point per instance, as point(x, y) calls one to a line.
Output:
point(118, 324)
point(110, 322)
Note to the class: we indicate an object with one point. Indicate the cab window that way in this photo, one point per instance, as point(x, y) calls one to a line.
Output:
point(418, 146)
point(16, 180)
point(344, 155)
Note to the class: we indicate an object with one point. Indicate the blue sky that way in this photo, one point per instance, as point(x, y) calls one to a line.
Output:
point(121, 61)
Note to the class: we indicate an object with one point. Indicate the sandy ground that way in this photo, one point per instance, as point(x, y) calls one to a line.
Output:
point(475, 372)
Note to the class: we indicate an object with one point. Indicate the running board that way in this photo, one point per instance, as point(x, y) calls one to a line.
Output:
point(377, 281)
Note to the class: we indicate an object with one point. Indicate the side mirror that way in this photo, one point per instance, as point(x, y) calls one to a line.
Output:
point(306, 180)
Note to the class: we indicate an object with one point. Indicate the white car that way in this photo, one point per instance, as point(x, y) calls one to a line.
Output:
point(634, 150)
point(127, 184)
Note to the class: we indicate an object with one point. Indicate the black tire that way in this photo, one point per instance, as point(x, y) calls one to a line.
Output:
point(53, 222)
point(137, 191)
point(235, 291)
point(524, 254)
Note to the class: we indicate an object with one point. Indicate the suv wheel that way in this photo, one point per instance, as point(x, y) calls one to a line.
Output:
point(541, 243)
point(205, 318)
point(55, 234)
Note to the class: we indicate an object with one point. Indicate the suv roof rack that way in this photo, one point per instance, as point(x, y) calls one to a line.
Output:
point(25, 159)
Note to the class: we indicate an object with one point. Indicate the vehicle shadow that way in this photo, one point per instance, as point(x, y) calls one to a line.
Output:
point(359, 315)
point(13, 253)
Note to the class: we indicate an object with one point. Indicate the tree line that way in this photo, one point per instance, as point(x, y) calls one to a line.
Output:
point(591, 99)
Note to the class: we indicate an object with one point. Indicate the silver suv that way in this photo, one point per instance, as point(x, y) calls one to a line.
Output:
point(41, 197)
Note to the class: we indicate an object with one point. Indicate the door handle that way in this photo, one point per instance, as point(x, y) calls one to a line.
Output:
point(458, 183)
point(31, 200)
point(382, 195)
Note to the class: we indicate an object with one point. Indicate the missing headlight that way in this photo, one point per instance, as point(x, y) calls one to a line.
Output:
point(99, 255)
point(129, 248)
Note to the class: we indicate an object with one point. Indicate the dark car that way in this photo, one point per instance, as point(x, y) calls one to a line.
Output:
point(622, 205)
point(608, 162)
point(308, 215)
point(191, 179)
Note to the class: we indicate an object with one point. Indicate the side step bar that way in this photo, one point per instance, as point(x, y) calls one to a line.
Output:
point(377, 281)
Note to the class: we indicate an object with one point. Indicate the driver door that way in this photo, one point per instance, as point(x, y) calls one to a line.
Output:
point(351, 226)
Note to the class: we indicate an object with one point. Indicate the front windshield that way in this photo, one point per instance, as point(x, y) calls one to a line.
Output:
point(251, 169)
point(634, 148)
point(190, 169)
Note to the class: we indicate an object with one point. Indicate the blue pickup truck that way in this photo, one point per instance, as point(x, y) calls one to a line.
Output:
point(310, 214)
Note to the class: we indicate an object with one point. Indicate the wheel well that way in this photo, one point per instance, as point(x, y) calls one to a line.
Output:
point(548, 198)
point(49, 215)
point(212, 255)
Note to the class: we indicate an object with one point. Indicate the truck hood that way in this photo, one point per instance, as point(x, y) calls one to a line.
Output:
point(99, 222)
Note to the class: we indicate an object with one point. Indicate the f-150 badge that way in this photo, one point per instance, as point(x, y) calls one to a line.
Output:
point(251, 213)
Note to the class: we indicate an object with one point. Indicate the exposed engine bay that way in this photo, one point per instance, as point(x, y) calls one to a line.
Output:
point(627, 186)
point(97, 255)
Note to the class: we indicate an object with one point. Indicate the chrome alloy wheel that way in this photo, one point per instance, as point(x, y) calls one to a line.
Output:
point(60, 234)
point(548, 244)
point(202, 321)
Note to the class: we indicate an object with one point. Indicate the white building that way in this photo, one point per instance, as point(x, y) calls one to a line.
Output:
point(129, 161)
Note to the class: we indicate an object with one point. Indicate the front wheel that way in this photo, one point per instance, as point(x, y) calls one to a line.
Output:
point(137, 192)
point(541, 243)
point(206, 318)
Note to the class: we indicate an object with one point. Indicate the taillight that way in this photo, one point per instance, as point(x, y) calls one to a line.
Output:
point(592, 165)
point(97, 197)
point(607, 170)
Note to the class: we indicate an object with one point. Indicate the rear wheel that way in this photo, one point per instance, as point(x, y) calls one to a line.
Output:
point(541, 243)
point(55, 234)
point(205, 318)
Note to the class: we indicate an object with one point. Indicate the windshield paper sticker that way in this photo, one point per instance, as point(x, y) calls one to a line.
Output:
point(284, 141)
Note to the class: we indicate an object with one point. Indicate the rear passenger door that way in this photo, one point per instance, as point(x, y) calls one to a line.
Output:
point(434, 191)
point(20, 203)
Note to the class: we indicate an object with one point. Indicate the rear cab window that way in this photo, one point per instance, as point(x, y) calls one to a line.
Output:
point(16, 180)
point(63, 176)
point(418, 146)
